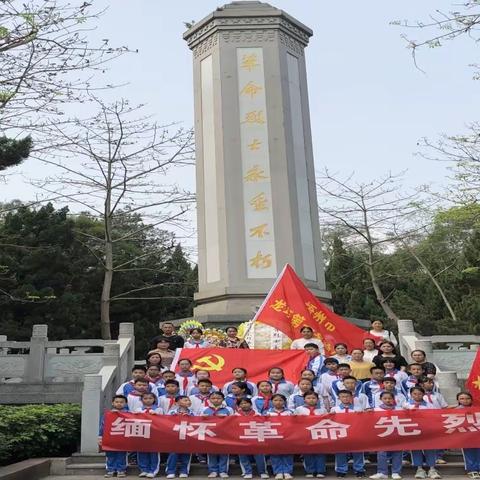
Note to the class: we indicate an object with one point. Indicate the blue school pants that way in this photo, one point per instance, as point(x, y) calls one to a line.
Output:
point(116, 461)
point(314, 463)
point(148, 462)
point(246, 464)
point(383, 458)
point(471, 457)
point(180, 460)
point(217, 463)
point(341, 462)
point(419, 455)
point(282, 464)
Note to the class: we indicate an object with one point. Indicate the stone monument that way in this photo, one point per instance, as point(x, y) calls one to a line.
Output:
point(256, 196)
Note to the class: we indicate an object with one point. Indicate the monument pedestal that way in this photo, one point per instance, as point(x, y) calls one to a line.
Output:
point(256, 196)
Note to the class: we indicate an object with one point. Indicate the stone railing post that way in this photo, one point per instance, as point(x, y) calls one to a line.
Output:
point(111, 354)
point(448, 385)
point(35, 365)
point(405, 327)
point(425, 345)
point(127, 330)
point(91, 405)
point(3, 351)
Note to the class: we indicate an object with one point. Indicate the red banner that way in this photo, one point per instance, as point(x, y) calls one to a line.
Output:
point(220, 362)
point(330, 433)
point(290, 305)
point(473, 381)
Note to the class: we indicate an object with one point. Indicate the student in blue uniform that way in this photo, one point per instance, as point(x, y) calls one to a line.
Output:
point(217, 463)
point(263, 400)
point(471, 456)
point(238, 390)
point(282, 465)
point(116, 462)
point(276, 377)
point(180, 461)
point(245, 409)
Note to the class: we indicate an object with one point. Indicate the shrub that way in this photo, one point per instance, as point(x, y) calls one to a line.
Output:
point(30, 431)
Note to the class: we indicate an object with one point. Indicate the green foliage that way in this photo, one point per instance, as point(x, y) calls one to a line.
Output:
point(31, 431)
point(51, 272)
point(13, 152)
point(451, 252)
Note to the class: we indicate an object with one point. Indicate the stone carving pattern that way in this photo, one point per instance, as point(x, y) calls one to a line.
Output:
point(295, 31)
point(12, 367)
point(248, 20)
point(209, 26)
point(292, 44)
point(249, 36)
point(205, 46)
point(62, 365)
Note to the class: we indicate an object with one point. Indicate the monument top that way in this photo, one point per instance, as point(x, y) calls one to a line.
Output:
point(248, 15)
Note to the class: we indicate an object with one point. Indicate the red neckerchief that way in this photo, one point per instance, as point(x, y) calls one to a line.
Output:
point(429, 396)
point(215, 409)
point(275, 384)
point(311, 410)
point(153, 380)
point(250, 413)
point(203, 398)
point(171, 401)
point(185, 379)
point(266, 400)
point(135, 393)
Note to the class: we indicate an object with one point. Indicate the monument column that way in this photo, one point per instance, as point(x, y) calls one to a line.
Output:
point(256, 195)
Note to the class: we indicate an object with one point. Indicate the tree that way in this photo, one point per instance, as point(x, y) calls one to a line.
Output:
point(48, 275)
point(13, 152)
point(46, 59)
point(445, 26)
point(116, 164)
point(368, 212)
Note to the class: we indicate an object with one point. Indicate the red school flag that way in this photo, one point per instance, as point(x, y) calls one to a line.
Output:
point(221, 361)
point(473, 381)
point(290, 305)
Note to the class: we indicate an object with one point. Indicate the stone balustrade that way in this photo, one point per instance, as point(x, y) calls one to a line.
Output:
point(452, 354)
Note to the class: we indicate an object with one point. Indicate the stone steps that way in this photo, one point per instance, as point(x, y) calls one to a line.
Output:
point(93, 464)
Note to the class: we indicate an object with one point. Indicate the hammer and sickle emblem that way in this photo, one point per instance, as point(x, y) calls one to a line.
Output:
point(208, 363)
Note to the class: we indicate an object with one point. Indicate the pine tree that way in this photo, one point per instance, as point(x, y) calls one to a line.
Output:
point(13, 152)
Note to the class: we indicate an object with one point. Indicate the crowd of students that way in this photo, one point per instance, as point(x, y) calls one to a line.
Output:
point(372, 378)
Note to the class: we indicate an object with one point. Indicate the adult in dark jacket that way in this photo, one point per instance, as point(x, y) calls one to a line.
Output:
point(167, 331)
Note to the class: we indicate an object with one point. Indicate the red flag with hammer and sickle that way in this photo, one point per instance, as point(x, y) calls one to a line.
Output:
point(290, 305)
point(221, 361)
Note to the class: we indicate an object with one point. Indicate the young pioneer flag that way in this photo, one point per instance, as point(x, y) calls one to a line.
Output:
point(290, 305)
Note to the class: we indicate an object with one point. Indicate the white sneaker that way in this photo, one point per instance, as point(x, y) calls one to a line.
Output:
point(213, 475)
point(278, 476)
point(170, 475)
point(264, 475)
point(183, 475)
point(142, 474)
point(320, 475)
point(150, 475)
point(378, 476)
point(223, 475)
point(433, 473)
point(248, 475)
point(287, 475)
point(309, 475)
point(420, 473)
point(396, 476)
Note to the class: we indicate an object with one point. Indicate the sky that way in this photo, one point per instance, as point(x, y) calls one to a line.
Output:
point(369, 105)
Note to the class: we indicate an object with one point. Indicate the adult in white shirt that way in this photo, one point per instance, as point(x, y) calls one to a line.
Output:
point(369, 350)
point(378, 332)
point(307, 337)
